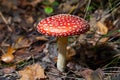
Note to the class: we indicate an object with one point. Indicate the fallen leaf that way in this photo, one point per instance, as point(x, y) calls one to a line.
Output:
point(35, 2)
point(32, 3)
point(21, 42)
point(9, 4)
point(8, 57)
point(42, 38)
point(5, 44)
point(89, 74)
point(32, 72)
point(70, 53)
point(24, 54)
point(26, 49)
point(29, 19)
point(102, 30)
point(74, 66)
point(66, 6)
point(9, 70)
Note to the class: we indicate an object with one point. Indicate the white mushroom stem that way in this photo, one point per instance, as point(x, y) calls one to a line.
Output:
point(62, 44)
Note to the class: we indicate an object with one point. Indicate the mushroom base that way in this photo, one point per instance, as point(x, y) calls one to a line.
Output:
point(62, 44)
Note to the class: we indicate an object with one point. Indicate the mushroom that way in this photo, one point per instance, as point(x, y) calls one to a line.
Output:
point(62, 26)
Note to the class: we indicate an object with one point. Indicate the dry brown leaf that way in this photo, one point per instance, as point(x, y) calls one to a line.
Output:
point(22, 52)
point(89, 74)
point(35, 2)
point(32, 72)
point(9, 70)
point(70, 53)
point(32, 3)
point(29, 19)
point(103, 40)
point(21, 42)
point(9, 4)
point(42, 38)
point(102, 29)
point(8, 57)
point(66, 6)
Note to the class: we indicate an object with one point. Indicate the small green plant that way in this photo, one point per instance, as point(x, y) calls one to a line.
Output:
point(48, 10)
point(49, 7)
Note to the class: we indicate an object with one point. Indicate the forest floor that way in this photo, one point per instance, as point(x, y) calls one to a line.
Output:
point(26, 54)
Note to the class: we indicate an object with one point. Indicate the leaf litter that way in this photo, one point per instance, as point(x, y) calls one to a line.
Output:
point(22, 46)
point(32, 72)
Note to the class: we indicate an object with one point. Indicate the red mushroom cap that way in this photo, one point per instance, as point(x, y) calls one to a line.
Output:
point(63, 25)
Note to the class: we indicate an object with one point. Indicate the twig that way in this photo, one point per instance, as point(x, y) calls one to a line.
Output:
point(118, 68)
point(65, 76)
point(79, 5)
point(89, 1)
point(2, 50)
point(6, 22)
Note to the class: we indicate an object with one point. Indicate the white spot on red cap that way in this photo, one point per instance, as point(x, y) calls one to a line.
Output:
point(63, 25)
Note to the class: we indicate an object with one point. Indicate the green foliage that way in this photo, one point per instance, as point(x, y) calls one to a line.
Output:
point(54, 4)
point(119, 30)
point(49, 7)
point(48, 10)
point(90, 8)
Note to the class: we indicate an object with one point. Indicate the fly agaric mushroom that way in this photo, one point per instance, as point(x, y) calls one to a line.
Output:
point(62, 26)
